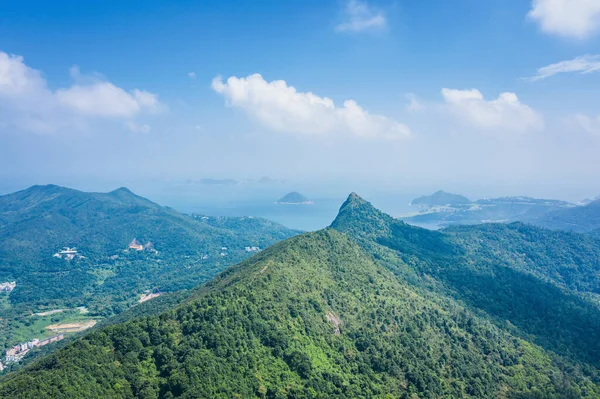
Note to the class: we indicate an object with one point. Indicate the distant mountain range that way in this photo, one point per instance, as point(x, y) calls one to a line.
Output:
point(442, 209)
point(108, 275)
point(589, 200)
point(370, 307)
point(582, 219)
point(294, 198)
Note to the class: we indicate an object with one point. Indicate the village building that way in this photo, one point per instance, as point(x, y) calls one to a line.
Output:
point(135, 244)
point(17, 352)
point(68, 254)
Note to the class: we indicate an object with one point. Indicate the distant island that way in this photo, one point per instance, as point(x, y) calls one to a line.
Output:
point(440, 198)
point(294, 198)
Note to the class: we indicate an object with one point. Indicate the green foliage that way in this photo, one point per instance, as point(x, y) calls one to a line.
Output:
point(542, 285)
point(370, 308)
point(40, 221)
point(312, 317)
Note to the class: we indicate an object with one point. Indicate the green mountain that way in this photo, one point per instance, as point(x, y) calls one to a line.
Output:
point(582, 219)
point(369, 308)
point(440, 198)
point(293, 198)
point(543, 285)
point(175, 252)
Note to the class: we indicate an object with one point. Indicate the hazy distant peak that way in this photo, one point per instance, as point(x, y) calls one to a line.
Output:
point(294, 198)
point(441, 197)
point(355, 197)
point(47, 188)
point(122, 190)
point(126, 196)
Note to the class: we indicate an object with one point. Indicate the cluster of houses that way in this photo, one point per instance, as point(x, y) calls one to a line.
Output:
point(68, 254)
point(8, 286)
point(17, 352)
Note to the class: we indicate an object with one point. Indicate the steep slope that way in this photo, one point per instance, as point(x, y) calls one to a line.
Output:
point(582, 219)
point(105, 275)
point(544, 283)
point(311, 317)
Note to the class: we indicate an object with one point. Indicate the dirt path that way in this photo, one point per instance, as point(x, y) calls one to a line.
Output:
point(71, 327)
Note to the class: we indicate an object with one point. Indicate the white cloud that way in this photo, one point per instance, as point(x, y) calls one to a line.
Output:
point(358, 17)
point(590, 124)
point(505, 113)
point(282, 108)
point(570, 18)
point(103, 99)
point(192, 75)
point(16, 78)
point(582, 64)
point(27, 103)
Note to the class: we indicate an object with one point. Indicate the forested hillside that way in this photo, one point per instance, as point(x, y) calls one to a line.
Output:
point(540, 284)
point(171, 251)
point(369, 308)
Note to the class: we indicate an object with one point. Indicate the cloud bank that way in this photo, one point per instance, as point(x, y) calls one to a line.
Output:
point(282, 108)
point(568, 18)
point(505, 113)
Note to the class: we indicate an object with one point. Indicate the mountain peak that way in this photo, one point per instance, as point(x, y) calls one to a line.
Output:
point(358, 212)
point(354, 200)
point(122, 191)
point(126, 196)
point(353, 197)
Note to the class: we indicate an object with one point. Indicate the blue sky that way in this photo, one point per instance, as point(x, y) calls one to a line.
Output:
point(401, 92)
